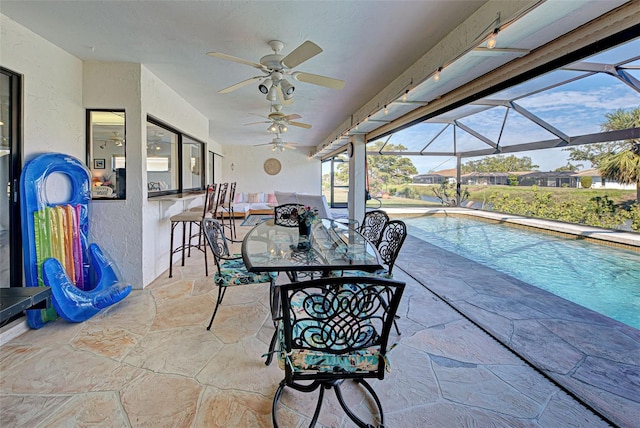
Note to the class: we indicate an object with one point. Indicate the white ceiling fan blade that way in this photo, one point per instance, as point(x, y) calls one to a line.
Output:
point(292, 116)
point(265, 144)
point(257, 123)
point(239, 85)
point(236, 59)
point(305, 51)
point(329, 82)
point(300, 124)
point(290, 146)
point(260, 115)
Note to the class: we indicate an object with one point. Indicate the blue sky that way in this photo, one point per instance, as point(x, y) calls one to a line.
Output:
point(576, 108)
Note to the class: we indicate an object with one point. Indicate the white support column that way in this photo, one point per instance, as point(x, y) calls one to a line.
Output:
point(357, 178)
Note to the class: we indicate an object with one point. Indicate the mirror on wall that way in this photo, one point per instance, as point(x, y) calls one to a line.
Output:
point(106, 153)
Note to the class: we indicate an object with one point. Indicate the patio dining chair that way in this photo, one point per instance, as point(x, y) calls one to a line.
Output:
point(283, 214)
point(286, 215)
point(332, 330)
point(231, 270)
point(389, 245)
point(372, 225)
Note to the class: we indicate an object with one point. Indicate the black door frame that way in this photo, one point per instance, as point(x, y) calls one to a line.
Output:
point(15, 135)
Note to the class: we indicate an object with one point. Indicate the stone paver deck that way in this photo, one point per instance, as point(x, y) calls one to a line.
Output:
point(149, 360)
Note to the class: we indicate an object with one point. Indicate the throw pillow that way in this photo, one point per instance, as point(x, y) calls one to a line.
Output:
point(254, 198)
point(271, 199)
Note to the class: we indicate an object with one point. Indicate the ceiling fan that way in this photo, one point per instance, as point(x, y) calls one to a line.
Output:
point(275, 66)
point(277, 144)
point(115, 138)
point(278, 121)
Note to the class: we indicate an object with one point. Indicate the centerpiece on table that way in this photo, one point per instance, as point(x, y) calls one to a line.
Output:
point(306, 215)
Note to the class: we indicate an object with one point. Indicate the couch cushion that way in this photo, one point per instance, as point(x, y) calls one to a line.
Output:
point(271, 199)
point(253, 198)
point(286, 197)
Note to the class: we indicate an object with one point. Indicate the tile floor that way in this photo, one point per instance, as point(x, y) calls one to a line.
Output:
point(149, 361)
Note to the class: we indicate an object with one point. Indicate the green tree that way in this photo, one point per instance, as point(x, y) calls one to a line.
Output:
point(623, 165)
point(388, 170)
point(596, 153)
point(499, 163)
point(569, 167)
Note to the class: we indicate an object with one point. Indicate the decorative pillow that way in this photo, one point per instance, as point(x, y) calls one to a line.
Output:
point(263, 197)
point(238, 198)
point(253, 198)
point(271, 199)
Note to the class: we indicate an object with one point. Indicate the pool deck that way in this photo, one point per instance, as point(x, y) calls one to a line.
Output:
point(592, 357)
point(460, 361)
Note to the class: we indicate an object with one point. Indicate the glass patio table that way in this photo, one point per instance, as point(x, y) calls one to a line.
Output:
point(331, 246)
point(270, 247)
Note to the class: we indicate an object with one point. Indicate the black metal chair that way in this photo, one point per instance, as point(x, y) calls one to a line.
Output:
point(333, 329)
point(372, 225)
point(231, 270)
point(389, 245)
point(228, 211)
point(286, 214)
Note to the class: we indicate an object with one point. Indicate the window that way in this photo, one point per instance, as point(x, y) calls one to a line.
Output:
point(192, 163)
point(175, 162)
point(335, 180)
point(106, 153)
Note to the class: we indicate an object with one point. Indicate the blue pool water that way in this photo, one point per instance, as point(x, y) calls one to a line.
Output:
point(599, 277)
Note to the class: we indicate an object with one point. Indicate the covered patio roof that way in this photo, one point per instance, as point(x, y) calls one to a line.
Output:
point(540, 98)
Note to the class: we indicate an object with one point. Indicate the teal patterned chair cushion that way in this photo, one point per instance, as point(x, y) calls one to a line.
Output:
point(307, 360)
point(234, 272)
point(383, 273)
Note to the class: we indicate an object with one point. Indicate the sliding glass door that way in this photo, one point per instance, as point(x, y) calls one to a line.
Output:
point(10, 155)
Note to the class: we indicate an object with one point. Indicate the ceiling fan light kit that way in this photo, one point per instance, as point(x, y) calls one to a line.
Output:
point(279, 90)
point(264, 86)
point(276, 66)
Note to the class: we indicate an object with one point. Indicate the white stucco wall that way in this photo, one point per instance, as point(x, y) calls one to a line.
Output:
point(52, 104)
point(299, 173)
point(162, 102)
point(58, 88)
point(116, 224)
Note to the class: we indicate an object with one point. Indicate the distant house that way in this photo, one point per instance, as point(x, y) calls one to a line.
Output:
point(486, 178)
point(598, 182)
point(436, 177)
point(549, 179)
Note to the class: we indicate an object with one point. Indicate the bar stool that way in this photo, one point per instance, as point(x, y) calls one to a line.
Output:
point(190, 218)
point(229, 212)
point(220, 210)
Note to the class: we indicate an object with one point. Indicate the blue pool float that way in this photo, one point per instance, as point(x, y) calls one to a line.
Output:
point(83, 280)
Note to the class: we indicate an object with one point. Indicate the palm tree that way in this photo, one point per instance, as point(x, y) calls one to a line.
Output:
point(623, 166)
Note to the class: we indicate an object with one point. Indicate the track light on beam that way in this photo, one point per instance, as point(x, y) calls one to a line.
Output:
point(491, 42)
point(436, 75)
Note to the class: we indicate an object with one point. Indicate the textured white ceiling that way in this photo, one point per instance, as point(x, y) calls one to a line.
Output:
point(365, 43)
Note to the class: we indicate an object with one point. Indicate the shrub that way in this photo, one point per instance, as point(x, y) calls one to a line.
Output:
point(586, 182)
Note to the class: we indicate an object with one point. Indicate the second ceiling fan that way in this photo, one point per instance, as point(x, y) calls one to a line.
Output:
point(276, 66)
point(277, 144)
point(278, 122)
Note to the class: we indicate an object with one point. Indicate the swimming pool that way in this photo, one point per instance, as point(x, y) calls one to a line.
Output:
point(599, 277)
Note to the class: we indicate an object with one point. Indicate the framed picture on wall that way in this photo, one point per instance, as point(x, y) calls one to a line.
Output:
point(98, 164)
